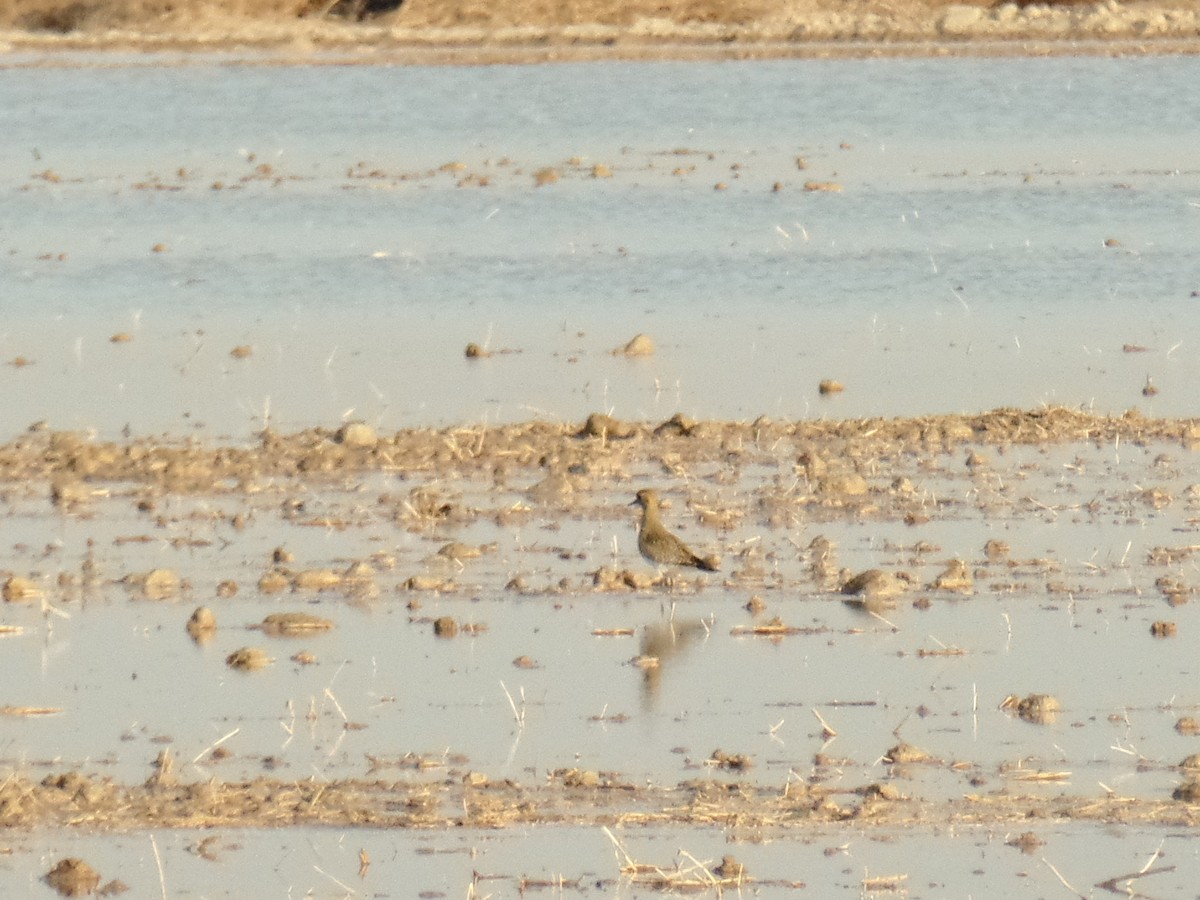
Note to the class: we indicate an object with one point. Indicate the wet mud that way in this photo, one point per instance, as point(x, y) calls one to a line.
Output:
point(745, 487)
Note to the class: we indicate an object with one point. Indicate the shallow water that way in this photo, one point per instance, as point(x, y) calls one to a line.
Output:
point(1078, 576)
point(962, 267)
point(931, 863)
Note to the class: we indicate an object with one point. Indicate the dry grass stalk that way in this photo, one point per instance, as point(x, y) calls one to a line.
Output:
point(881, 883)
point(30, 710)
point(773, 628)
point(1042, 776)
point(692, 876)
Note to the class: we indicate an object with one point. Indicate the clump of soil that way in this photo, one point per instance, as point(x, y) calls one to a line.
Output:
point(73, 877)
point(290, 624)
point(719, 759)
point(202, 625)
point(248, 659)
point(639, 345)
point(1040, 709)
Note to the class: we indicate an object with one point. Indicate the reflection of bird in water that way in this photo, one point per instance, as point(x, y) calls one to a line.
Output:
point(659, 545)
point(659, 645)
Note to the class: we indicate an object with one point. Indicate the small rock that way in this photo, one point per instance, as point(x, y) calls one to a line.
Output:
point(960, 19)
point(1162, 629)
point(202, 623)
point(584, 778)
point(1188, 725)
point(730, 869)
point(678, 424)
point(1040, 709)
point(474, 351)
point(904, 753)
point(73, 877)
point(955, 579)
point(357, 435)
point(248, 659)
point(445, 627)
point(316, 580)
point(639, 345)
point(158, 584)
point(605, 426)
point(1188, 792)
point(273, 582)
point(292, 623)
point(874, 583)
point(736, 761)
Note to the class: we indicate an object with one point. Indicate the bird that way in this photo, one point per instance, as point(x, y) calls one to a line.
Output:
point(657, 544)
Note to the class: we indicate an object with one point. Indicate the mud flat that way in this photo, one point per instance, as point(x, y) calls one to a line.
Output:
point(925, 627)
point(468, 31)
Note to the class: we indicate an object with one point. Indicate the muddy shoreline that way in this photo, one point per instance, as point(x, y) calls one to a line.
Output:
point(837, 471)
point(452, 798)
point(190, 466)
point(466, 33)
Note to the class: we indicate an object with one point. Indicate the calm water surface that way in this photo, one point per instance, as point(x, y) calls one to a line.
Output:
point(963, 266)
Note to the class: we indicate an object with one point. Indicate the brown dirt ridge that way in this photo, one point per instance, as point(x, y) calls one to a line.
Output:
point(537, 30)
point(73, 463)
point(452, 799)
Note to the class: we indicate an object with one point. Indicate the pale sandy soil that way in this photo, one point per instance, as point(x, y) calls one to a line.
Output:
point(537, 30)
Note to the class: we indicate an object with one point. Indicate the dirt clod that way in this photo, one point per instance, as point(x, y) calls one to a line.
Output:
point(248, 659)
point(639, 345)
point(73, 877)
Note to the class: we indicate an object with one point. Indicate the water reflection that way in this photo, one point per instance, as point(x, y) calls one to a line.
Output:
point(663, 645)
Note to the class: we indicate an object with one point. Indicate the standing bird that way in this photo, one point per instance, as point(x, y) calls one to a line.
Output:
point(657, 544)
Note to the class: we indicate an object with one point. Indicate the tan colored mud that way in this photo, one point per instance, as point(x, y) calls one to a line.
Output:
point(441, 793)
point(533, 30)
point(49, 458)
point(448, 798)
